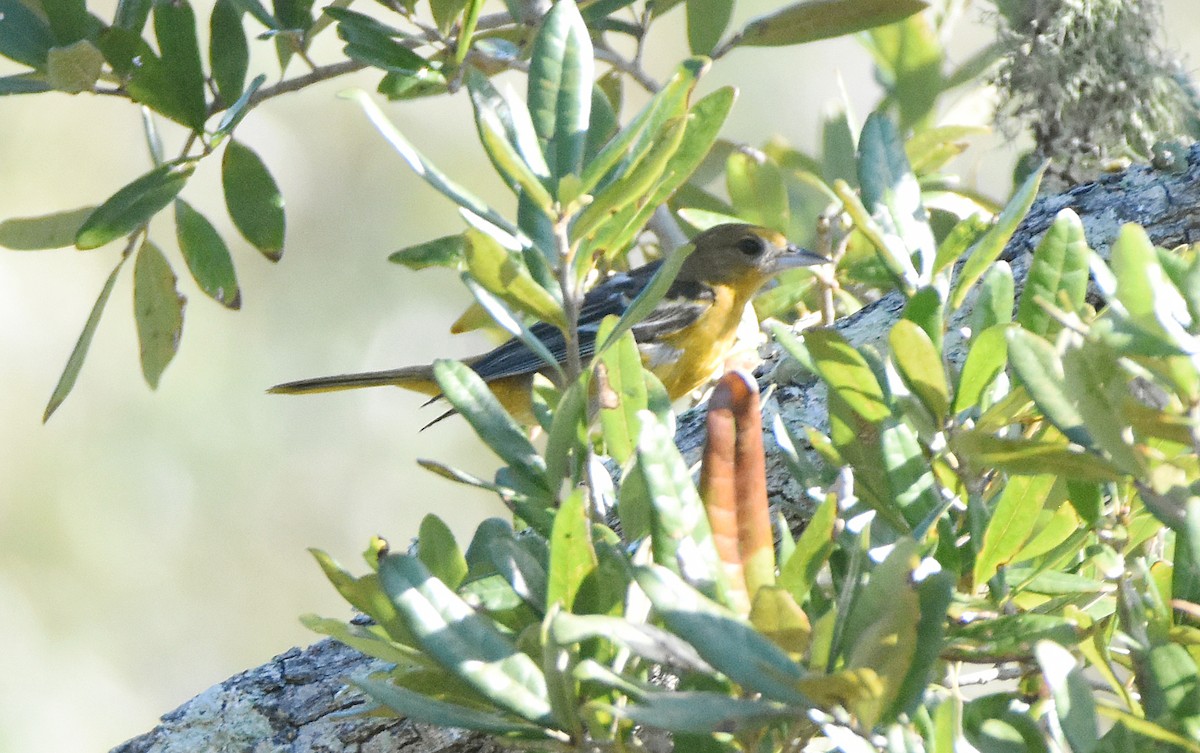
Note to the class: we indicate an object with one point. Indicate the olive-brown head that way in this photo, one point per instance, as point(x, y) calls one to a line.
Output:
point(743, 256)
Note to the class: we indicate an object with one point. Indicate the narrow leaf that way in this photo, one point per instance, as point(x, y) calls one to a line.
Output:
point(25, 37)
point(253, 199)
point(48, 231)
point(706, 22)
point(157, 310)
point(66, 382)
point(175, 30)
point(621, 391)
point(757, 190)
point(572, 555)
point(439, 552)
point(560, 88)
point(469, 395)
point(920, 366)
point(134, 205)
point(988, 248)
point(1041, 371)
point(1012, 521)
point(206, 255)
point(463, 641)
point(811, 20)
point(228, 51)
point(1057, 276)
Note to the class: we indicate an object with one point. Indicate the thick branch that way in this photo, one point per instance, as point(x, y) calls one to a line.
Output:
point(295, 702)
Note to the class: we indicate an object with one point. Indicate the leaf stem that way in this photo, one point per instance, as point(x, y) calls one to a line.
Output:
point(570, 295)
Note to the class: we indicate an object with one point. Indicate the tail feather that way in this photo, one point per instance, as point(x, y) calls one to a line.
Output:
point(415, 378)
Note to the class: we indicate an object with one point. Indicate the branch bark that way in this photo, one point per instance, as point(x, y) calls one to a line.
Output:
point(298, 701)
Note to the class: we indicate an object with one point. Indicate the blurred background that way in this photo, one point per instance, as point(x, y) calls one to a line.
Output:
point(154, 543)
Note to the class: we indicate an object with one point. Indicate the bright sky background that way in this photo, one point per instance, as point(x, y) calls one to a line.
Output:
point(154, 543)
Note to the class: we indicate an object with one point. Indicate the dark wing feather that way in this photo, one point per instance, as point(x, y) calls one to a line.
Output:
point(682, 305)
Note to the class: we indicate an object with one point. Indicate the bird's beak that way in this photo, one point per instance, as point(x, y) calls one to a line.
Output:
point(794, 257)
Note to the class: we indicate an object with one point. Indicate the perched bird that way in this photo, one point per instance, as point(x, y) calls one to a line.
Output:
point(683, 340)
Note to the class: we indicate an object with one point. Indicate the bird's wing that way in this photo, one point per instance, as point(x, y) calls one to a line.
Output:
point(682, 305)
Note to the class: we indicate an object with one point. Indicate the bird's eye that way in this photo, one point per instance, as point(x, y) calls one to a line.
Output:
point(751, 245)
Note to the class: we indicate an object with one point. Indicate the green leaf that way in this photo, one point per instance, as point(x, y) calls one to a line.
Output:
point(881, 632)
point(560, 88)
point(132, 14)
point(1058, 274)
point(469, 395)
point(24, 37)
point(621, 392)
point(1012, 521)
point(703, 125)
point(680, 536)
point(206, 255)
point(913, 490)
point(1031, 457)
point(685, 713)
point(892, 195)
point(422, 708)
point(668, 102)
point(31, 83)
point(45, 232)
point(988, 248)
point(572, 555)
point(985, 361)
point(645, 640)
point(846, 372)
point(69, 20)
point(446, 12)
point(727, 643)
point(439, 552)
point(1041, 371)
point(157, 310)
point(630, 190)
point(920, 366)
point(447, 251)
point(133, 206)
point(908, 62)
point(523, 176)
point(706, 22)
point(228, 51)
point(811, 20)
point(253, 199)
point(1100, 388)
point(374, 43)
point(463, 641)
point(799, 572)
point(961, 237)
point(994, 304)
point(757, 190)
point(1150, 301)
point(424, 168)
point(74, 68)
point(175, 30)
point(503, 273)
point(926, 308)
point(513, 118)
point(66, 382)
point(238, 110)
point(1169, 682)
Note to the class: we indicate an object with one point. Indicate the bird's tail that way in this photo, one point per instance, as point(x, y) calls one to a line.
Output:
point(416, 378)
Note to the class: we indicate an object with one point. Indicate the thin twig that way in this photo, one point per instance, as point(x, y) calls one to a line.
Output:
point(316, 76)
point(625, 66)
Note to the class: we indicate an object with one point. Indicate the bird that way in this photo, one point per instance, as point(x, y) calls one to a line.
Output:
point(683, 340)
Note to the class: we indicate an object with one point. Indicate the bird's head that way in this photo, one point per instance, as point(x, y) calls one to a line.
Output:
point(745, 256)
